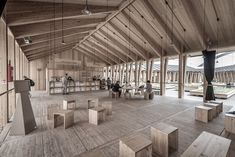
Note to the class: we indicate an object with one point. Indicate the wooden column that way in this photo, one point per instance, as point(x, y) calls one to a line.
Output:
point(122, 73)
point(139, 71)
point(107, 72)
point(163, 71)
point(147, 70)
point(130, 72)
point(181, 79)
point(136, 74)
point(151, 70)
point(119, 72)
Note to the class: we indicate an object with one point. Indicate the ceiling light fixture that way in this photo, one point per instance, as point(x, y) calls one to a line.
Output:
point(86, 10)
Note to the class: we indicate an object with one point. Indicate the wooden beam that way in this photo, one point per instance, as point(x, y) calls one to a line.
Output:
point(108, 47)
point(52, 35)
point(57, 42)
point(140, 50)
point(87, 50)
point(122, 47)
point(154, 46)
point(48, 27)
point(123, 6)
point(39, 12)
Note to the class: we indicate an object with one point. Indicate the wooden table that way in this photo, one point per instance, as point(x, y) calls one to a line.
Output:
point(208, 145)
point(96, 115)
point(65, 117)
point(135, 146)
point(164, 138)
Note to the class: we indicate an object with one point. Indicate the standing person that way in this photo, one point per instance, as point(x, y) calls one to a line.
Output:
point(109, 83)
point(117, 88)
point(65, 83)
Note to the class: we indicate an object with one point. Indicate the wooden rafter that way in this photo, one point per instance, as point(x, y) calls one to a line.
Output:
point(44, 28)
point(88, 55)
point(29, 11)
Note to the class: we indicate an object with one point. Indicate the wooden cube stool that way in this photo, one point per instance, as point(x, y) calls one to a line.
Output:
point(51, 109)
point(220, 103)
point(229, 121)
point(93, 103)
point(215, 107)
point(146, 96)
point(127, 95)
point(164, 139)
point(151, 95)
point(96, 153)
point(135, 146)
point(203, 113)
point(65, 117)
point(108, 107)
point(96, 115)
point(69, 104)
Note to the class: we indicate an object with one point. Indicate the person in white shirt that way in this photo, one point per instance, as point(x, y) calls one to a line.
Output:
point(64, 80)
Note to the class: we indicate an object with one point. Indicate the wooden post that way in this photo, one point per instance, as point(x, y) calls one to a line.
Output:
point(147, 70)
point(130, 72)
point(119, 72)
point(182, 67)
point(163, 71)
point(107, 72)
point(139, 71)
point(136, 78)
point(151, 70)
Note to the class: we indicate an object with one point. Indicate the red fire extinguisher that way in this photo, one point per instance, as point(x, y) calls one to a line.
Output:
point(9, 72)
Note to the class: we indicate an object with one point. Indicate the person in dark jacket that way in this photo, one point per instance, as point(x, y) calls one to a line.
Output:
point(117, 88)
point(109, 83)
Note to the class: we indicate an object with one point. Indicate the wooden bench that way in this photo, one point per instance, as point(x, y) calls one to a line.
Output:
point(96, 153)
point(229, 121)
point(108, 107)
point(220, 103)
point(203, 114)
point(69, 104)
point(96, 115)
point(208, 145)
point(93, 103)
point(135, 146)
point(164, 139)
point(65, 117)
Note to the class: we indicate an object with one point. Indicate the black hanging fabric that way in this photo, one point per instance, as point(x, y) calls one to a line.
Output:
point(209, 70)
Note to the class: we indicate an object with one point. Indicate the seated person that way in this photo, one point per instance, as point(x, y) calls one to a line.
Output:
point(117, 88)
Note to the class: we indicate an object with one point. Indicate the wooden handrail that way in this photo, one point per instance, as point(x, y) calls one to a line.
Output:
point(6, 91)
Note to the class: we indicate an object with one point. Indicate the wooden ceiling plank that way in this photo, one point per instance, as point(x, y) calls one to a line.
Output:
point(192, 15)
point(122, 47)
point(141, 51)
point(102, 50)
point(160, 24)
point(110, 48)
point(88, 55)
point(92, 53)
point(155, 47)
